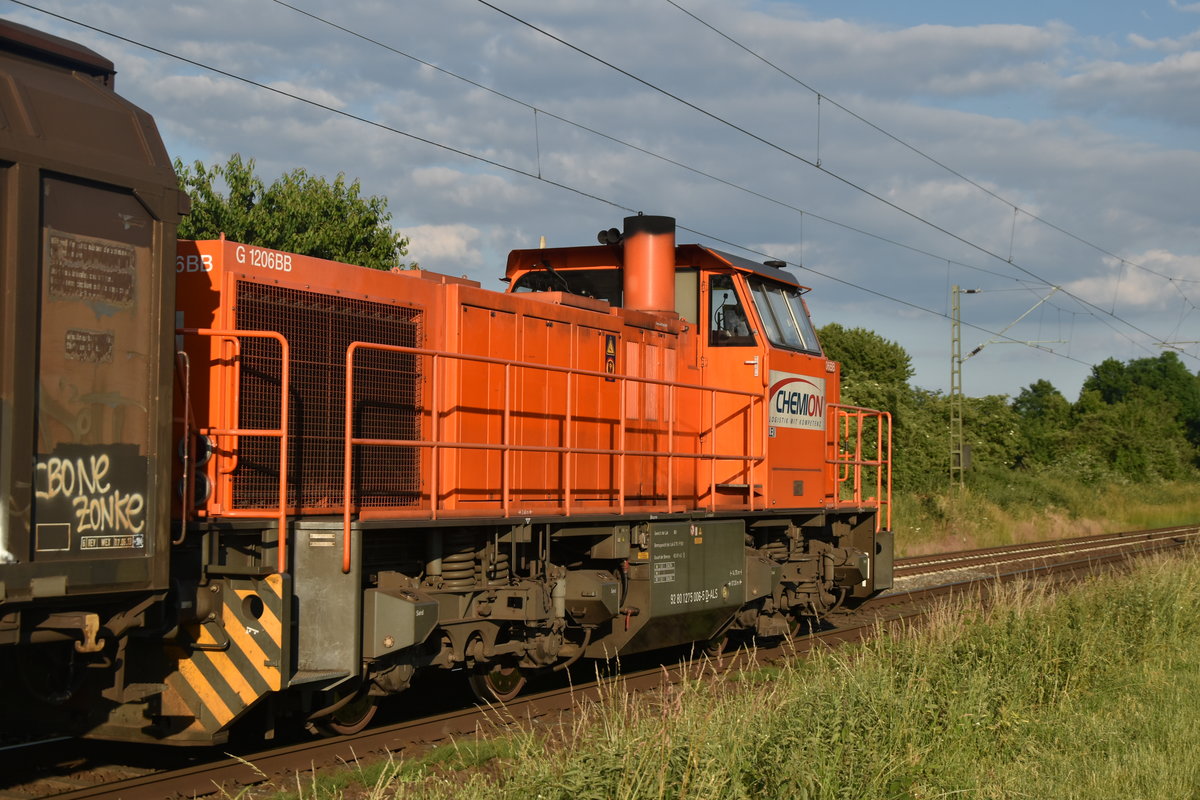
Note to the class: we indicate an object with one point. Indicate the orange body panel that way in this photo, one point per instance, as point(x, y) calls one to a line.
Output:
point(468, 402)
point(320, 306)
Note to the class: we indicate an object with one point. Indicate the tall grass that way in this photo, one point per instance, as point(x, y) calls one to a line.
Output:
point(1090, 694)
point(1020, 508)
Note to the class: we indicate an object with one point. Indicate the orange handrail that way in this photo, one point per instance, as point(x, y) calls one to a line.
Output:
point(281, 432)
point(436, 445)
point(849, 424)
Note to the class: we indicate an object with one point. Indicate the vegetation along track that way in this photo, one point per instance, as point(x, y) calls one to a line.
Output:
point(74, 769)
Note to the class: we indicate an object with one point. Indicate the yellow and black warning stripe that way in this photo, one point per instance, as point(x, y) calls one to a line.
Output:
point(237, 659)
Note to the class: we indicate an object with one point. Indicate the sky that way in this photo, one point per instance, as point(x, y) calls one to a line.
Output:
point(1046, 154)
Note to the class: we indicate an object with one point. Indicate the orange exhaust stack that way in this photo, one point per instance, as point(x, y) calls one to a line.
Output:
point(650, 263)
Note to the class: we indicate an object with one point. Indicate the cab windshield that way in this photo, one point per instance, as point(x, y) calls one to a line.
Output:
point(784, 317)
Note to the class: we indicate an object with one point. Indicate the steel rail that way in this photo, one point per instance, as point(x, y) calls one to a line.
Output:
point(900, 608)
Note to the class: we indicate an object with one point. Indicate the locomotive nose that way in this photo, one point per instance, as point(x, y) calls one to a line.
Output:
point(649, 244)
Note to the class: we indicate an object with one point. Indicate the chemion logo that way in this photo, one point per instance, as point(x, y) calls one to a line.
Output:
point(796, 401)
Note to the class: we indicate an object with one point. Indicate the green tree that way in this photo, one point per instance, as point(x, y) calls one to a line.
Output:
point(1043, 420)
point(1138, 438)
point(922, 442)
point(875, 374)
point(1164, 378)
point(299, 213)
point(1040, 400)
point(866, 357)
point(992, 430)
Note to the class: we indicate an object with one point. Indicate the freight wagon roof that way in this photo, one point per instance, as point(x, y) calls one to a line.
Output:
point(62, 116)
point(34, 44)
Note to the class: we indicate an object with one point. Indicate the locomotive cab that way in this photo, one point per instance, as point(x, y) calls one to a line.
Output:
point(746, 328)
point(760, 338)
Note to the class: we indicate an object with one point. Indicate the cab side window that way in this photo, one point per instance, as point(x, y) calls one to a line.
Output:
point(729, 326)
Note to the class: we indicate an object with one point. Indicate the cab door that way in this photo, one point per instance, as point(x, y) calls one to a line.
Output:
point(733, 359)
point(801, 383)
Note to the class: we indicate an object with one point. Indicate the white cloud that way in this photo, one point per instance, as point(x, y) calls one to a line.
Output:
point(466, 189)
point(1126, 286)
point(1166, 44)
point(445, 244)
point(1096, 135)
point(1160, 89)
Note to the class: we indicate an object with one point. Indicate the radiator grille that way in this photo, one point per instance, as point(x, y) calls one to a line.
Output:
point(387, 399)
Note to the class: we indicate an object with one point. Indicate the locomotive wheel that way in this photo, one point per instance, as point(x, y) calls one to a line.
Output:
point(49, 672)
point(715, 647)
point(493, 683)
point(801, 627)
point(352, 717)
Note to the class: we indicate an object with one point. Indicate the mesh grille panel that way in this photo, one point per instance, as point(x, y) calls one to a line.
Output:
point(387, 393)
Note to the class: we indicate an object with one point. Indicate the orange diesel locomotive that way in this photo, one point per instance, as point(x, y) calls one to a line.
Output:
point(638, 445)
point(260, 488)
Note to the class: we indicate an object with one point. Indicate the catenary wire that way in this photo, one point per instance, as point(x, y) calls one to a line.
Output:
point(913, 148)
point(816, 165)
point(538, 110)
point(1171, 280)
point(499, 165)
point(637, 148)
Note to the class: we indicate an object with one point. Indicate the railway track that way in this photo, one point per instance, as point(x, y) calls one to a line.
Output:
point(930, 570)
point(72, 770)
